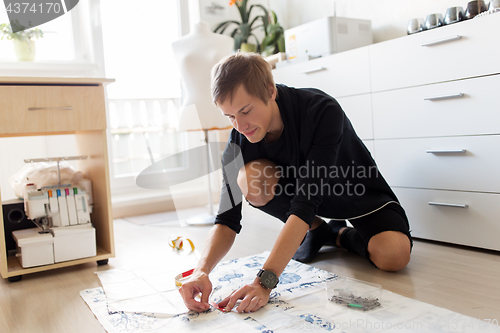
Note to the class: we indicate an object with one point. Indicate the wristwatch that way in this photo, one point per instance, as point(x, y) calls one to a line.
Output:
point(268, 279)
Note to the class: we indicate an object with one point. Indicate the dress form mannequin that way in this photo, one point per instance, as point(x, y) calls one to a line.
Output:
point(196, 54)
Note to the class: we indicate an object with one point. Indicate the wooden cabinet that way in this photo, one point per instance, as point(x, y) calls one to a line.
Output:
point(43, 109)
point(431, 119)
point(53, 106)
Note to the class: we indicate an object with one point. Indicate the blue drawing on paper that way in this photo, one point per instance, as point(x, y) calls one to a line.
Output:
point(229, 277)
point(318, 322)
point(289, 278)
point(253, 264)
point(187, 317)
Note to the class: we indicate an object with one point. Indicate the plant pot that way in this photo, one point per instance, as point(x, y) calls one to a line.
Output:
point(247, 47)
point(25, 50)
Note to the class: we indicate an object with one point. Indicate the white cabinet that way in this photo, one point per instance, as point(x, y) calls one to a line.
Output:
point(430, 115)
point(457, 51)
point(465, 218)
point(332, 74)
point(463, 107)
point(436, 120)
point(463, 163)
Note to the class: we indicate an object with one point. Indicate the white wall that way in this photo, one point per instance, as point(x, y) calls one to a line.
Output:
point(389, 17)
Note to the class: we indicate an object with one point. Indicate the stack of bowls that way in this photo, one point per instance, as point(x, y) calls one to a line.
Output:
point(453, 15)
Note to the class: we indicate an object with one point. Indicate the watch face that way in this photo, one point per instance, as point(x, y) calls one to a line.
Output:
point(269, 279)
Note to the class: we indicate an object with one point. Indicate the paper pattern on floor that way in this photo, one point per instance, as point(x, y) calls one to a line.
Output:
point(298, 304)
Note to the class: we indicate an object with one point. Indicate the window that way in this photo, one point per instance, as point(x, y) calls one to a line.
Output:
point(144, 101)
point(57, 43)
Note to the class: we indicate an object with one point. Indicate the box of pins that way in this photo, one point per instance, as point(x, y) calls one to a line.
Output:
point(353, 293)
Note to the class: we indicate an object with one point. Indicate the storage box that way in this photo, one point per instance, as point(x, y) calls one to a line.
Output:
point(33, 248)
point(327, 36)
point(352, 293)
point(74, 242)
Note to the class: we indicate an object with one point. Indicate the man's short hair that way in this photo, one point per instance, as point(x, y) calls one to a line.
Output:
point(248, 69)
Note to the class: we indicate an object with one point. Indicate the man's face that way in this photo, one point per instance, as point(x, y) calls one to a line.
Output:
point(248, 114)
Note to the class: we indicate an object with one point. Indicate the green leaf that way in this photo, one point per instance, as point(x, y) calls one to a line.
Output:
point(269, 50)
point(225, 23)
point(281, 44)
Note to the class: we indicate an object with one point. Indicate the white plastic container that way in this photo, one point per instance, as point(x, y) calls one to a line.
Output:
point(352, 293)
point(74, 242)
point(327, 35)
point(34, 249)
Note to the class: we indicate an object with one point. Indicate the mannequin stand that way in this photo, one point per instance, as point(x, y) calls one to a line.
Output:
point(205, 219)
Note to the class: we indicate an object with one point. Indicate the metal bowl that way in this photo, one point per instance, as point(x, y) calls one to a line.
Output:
point(494, 4)
point(415, 25)
point(475, 8)
point(433, 21)
point(453, 15)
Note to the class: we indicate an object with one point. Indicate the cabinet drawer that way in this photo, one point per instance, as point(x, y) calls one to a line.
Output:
point(431, 163)
point(477, 224)
point(32, 109)
point(359, 110)
point(341, 74)
point(465, 107)
point(407, 61)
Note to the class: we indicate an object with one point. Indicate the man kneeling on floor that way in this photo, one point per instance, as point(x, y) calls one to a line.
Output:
point(294, 154)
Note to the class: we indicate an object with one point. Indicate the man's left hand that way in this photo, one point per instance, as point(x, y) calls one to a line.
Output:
point(253, 296)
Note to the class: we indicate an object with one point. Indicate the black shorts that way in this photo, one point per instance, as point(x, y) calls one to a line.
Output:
point(390, 217)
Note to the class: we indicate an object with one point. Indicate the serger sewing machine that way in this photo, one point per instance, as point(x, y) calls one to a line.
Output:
point(57, 206)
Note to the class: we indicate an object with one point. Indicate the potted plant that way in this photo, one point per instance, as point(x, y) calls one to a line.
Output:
point(244, 29)
point(24, 40)
point(274, 42)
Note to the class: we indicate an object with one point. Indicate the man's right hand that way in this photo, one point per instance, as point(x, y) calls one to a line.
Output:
point(198, 283)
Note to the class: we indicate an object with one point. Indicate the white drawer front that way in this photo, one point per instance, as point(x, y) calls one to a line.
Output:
point(407, 163)
point(478, 224)
point(342, 74)
point(406, 61)
point(465, 107)
point(359, 110)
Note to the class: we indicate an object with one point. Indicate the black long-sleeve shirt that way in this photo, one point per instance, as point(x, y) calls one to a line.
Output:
point(333, 172)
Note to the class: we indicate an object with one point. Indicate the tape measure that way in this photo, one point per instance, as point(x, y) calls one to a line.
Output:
point(178, 242)
point(182, 276)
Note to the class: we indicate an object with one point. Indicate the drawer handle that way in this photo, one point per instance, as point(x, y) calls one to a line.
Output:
point(447, 204)
point(441, 41)
point(52, 108)
point(436, 98)
point(314, 70)
point(449, 151)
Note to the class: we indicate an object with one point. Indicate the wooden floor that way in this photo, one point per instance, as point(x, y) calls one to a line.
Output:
point(459, 279)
